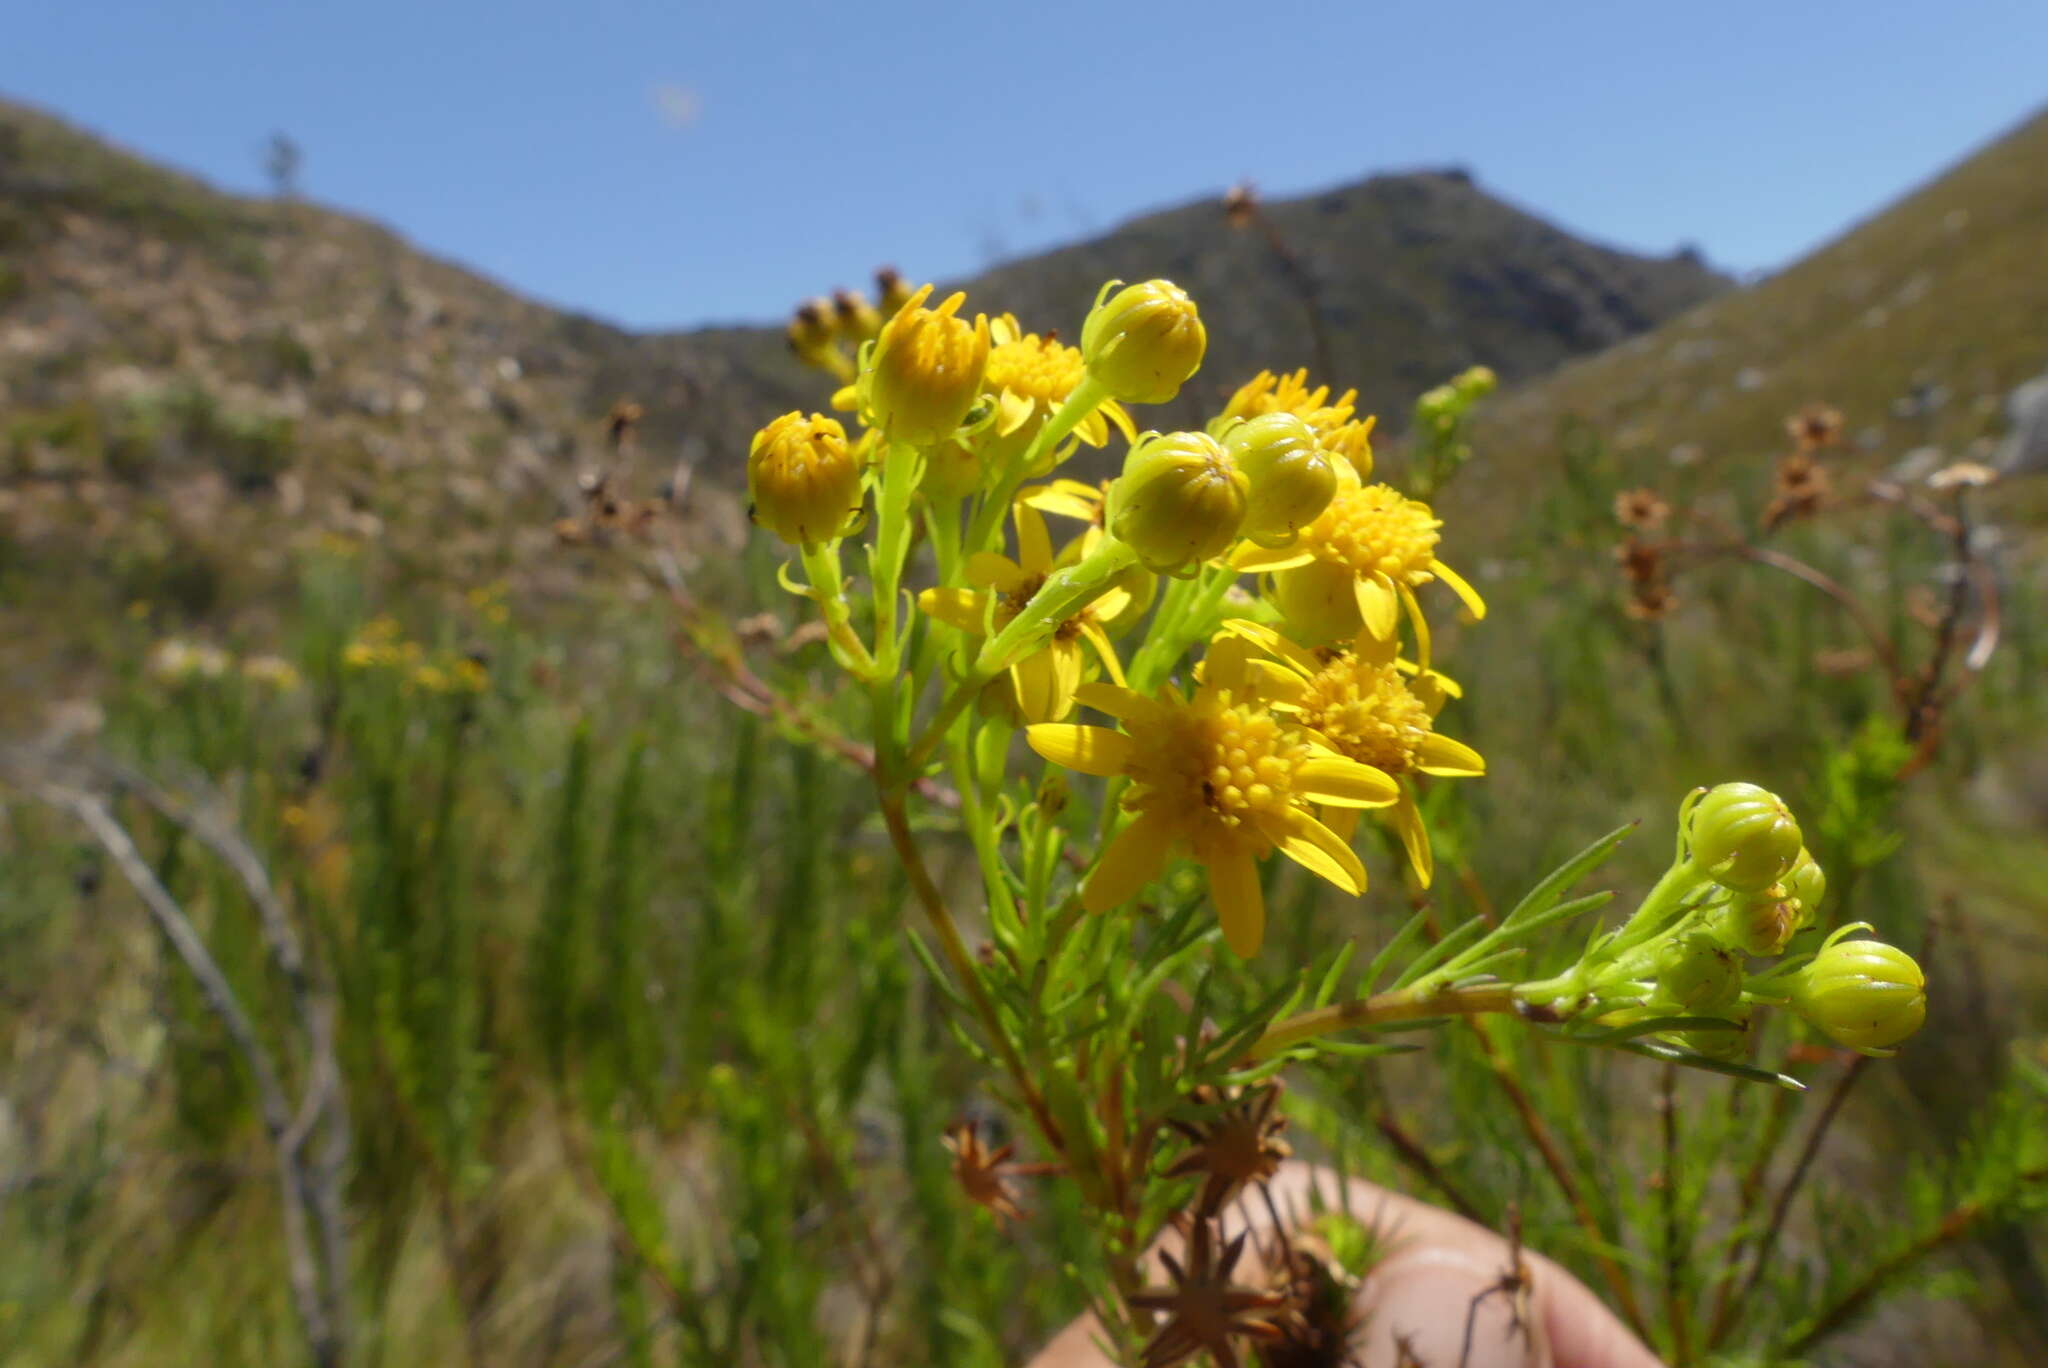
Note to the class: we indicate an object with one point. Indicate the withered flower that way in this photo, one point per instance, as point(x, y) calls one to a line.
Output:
point(1239, 1145)
point(1641, 509)
point(1816, 426)
point(983, 1173)
point(1642, 562)
point(1799, 490)
point(1325, 1321)
point(1650, 602)
point(1205, 1311)
point(620, 425)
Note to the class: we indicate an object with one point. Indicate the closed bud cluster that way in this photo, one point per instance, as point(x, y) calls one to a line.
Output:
point(1743, 837)
point(803, 479)
point(1180, 500)
point(924, 371)
point(1143, 342)
point(893, 290)
point(857, 318)
point(1292, 479)
point(813, 328)
point(1806, 885)
point(1862, 993)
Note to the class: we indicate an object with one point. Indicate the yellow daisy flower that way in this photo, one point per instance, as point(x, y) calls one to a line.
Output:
point(1030, 377)
point(1336, 428)
point(1362, 704)
point(1372, 546)
point(1044, 681)
point(1221, 777)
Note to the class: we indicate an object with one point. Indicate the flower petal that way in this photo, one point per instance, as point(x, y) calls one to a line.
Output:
point(1013, 411)
point(962, 608)
point(1414, 837)
point(1068, 498)
point(1343, 783)
point(1273, 643)
point(1418, 621)
point(989, 570)
point(1319, 850)
point(1250, 556)
point(1090, 750)
point(1438, 754)
point(1129, 862)
point(1045, 681)
point(1240, 903)
point(1461, 587)
point(1099, 639)
point(1116, 413)
point(1378, 605)
point(1034, 544)
point(1114, 699)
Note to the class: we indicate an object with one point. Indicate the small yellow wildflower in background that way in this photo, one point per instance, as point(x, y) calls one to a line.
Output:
point(1222, 777)
point(273, 672)
point(1340, 433)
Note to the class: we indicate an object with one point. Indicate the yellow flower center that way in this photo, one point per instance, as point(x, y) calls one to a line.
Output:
point(1375, 530)
point(1268, 393)
point(1036, 368)
point(1216, 762)
point(1367, 713)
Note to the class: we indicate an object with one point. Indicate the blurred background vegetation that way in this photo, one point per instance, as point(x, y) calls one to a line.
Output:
point(573, 987)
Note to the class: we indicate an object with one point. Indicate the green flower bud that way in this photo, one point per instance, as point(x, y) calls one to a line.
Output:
point(1758, 923)
point(1743, 836)
point(803, 479)
point(1862, 993)
point(1292, 478)
point(1143, 342)
point(1698, 974)
point(1179, 501)
point(1806, 885)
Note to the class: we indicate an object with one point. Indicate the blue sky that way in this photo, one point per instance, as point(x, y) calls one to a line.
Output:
point(680, 163)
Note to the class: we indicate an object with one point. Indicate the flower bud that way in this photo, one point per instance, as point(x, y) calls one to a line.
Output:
point(1144, 341)
point(1292, 478)
point(1743, 836)
point(804, 482)
point(1319, 601)
point(813, 328)
point(1699, 974)
point(952, 470)
point(1862, 993)
point(1806, 885)
point(1758, 923)
point(856, 317)
point(1730, 1047)
point(925, 371)
point(1179, 501)
point(892, 289)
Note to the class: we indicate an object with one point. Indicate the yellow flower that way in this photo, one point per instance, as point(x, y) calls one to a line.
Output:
point(1044, 681)
point(1030, 377)
point(1386, 543)
point(1340, 433)
point(1363, 705)
point(924, 371)
point(1222, 777)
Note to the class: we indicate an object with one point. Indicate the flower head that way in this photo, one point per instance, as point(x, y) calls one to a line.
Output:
point(1641, 509)
point(805, 483)
point(1144, 341)
point(1385, 542)
point(1222, 777)
point(1364, 704)
point(1030, 377)
point(924, 370)
point(1204, 1310)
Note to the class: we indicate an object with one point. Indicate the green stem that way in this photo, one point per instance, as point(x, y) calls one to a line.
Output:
point(821, 568)
point(891, 550)
point(1064, 593)
point(1402, 1004)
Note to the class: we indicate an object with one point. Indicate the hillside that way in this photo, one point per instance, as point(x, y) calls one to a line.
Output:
point(1917, 324)
point(191, 382)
